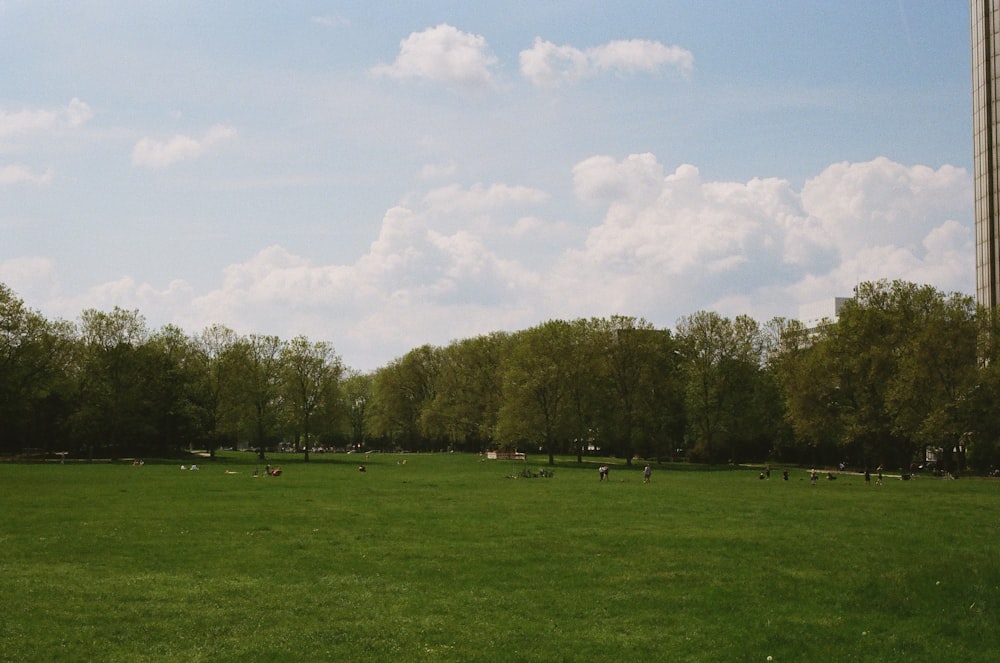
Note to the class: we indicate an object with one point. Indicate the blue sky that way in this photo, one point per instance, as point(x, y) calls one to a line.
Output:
point(384, 175)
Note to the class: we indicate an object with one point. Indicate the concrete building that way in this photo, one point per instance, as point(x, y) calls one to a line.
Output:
point(985, 20)
point(817, 315)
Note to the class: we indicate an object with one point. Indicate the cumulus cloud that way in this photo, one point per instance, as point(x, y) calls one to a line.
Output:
point(882, 202)
point(602, 179)
point(762, 243)
point(33, 120)
point(548, 64)
point(442, 54)
point(428, 272)
point(154, 154)
point(458, 261)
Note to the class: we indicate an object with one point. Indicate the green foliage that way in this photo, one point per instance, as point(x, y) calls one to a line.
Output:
point(402, 392)
point(356, 393)
point(537, 380)
point(907, 372)
point(891, 377)
point(468, 392)
point(727, 390)
point(311, 373)
point(35, 375)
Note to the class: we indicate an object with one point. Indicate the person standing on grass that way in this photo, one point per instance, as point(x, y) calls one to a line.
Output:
point(646, 472)
point(603, 472)
point(868, 477)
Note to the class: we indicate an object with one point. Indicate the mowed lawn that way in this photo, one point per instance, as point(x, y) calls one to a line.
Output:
point(445, 558)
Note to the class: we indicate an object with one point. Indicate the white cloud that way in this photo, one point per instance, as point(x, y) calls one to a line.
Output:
point(675, 239)
point(602, 179)
point(639, 56)
point(27, 121)
point(461, 261)
point(18, 174)
point(547, 64)
point(442, 54)
point(882, 202)
point(534, 227)
point(429, 276)
point(151, 153)
point(32, 278)
point(77, 113)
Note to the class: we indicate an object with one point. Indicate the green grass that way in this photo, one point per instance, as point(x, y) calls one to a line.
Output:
point(446, 559)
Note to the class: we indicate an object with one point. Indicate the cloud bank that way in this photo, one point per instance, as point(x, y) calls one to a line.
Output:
point(458, 261)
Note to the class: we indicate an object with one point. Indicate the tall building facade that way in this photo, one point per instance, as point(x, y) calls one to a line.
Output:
point(985, 19)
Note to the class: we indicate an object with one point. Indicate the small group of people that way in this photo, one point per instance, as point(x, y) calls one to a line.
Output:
point(814, 476)
point(766, 474)
point(268, 471)
point(604, 472)
point(193, 467)
point(868, 476)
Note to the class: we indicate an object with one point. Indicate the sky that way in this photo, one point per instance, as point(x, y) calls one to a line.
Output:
point(384, 175)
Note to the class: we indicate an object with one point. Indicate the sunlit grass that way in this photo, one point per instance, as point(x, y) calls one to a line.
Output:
point(446, 558)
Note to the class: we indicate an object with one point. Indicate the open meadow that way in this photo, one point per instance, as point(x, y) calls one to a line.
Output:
point(445, 558)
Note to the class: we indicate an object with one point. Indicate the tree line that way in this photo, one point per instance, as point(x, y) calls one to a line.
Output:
point(906, 373)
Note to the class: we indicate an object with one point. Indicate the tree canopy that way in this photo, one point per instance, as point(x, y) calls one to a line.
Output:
point(905, 374)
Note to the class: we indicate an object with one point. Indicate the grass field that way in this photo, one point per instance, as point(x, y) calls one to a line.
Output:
point(444, 558)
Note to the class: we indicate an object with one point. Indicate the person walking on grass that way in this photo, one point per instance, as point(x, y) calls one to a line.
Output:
point(646, 472)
